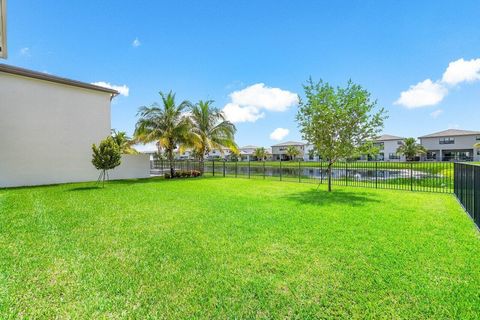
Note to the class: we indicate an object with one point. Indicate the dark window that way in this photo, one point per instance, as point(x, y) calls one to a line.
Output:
point(393, 156)
point(447, 140)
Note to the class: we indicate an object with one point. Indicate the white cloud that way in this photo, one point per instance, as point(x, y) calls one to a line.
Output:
point(435, 114)
point(261, 96)
point(25, 52)
point(462, 71)
point(123, 90)
point(429, 93)
point(425, 93)
point(279, 133)
point(136, 43)
point(235, 113)
point(246, 105)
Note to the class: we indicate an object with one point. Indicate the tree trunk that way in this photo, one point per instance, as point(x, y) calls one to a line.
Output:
point(172, 167)
point(202, 165)
point(329, 173)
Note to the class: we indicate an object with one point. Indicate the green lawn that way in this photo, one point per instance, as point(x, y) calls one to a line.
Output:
point(235, 248)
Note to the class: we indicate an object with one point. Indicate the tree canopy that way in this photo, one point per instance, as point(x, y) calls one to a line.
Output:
point(106, 157)
point(210, 130)
point(339, 122)
point(166, 124)
point(411, 148)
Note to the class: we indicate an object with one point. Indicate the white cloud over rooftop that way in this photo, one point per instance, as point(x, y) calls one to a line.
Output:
point(123, 89)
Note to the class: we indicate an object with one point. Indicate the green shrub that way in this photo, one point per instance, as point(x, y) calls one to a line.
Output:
point(106, 156)
point(184, 174)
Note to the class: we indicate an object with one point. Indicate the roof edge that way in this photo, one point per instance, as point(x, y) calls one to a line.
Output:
point(47, 77)
point(441, 134)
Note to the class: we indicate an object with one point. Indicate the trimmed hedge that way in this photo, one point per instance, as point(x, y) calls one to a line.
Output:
point(184, 174)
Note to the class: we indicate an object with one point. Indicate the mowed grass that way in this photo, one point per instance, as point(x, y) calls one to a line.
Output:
point(235, 248)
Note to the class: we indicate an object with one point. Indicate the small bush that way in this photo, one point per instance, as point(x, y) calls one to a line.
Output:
point(184, 174)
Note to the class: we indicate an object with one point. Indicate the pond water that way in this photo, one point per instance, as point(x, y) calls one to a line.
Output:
point(319, 173)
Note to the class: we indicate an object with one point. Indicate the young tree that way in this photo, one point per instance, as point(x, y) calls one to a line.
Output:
point(339, 122)
point(260, 153)
point(292, 152)
point(210, 130)
point(167, 124)
point(106, 157)
point(411, 148)
point(124, 142)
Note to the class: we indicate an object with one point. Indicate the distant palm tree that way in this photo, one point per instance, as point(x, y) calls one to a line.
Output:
point(260, 154)
point(292, 152)
point(124, 142)
point(411, 148)
point(166, 124)
point(210, 130)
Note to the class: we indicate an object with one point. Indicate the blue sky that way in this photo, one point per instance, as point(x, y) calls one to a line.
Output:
point(210, 49)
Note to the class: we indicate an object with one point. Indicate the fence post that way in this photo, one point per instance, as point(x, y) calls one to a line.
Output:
point(376, 175)
point(213, 167)
point(236, 168)
point(320, 170)
point(263, 169)
point(476, 196)
point(280, 168)
point(224, 168)
point(299, 177)
point(411, 176)
point(346, 172)
point(248, 168)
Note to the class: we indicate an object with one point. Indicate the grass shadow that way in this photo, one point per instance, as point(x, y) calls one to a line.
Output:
point(85, 188)
point(324, 198)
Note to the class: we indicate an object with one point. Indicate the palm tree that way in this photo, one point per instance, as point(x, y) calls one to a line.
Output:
point(167, 124)
point(292, 152)
point(210, 130)
point(411, 148)
point(124, 142)
point(476, 145)
point(260, 153)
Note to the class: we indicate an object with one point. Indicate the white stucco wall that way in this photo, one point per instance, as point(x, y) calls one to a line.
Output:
point(461, 143)
point(132, 166)
point(47, 129)
point(390, 147)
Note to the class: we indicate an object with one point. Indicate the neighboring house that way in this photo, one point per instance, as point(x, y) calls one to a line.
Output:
point(310, 154)
point(279, 151)
point(220, 154)
point(47, 127)
point(247, 153)
point(269, 154)
point(451, 145)
point(387, 145)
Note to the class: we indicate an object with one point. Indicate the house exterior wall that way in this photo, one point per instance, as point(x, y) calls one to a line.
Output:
point(390, 150)
point(281, 151)
point(306, 154)
point(461, 143)
point(47, 130)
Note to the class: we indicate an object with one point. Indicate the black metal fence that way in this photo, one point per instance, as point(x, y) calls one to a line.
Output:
point(467, 189)
point(413, 176)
